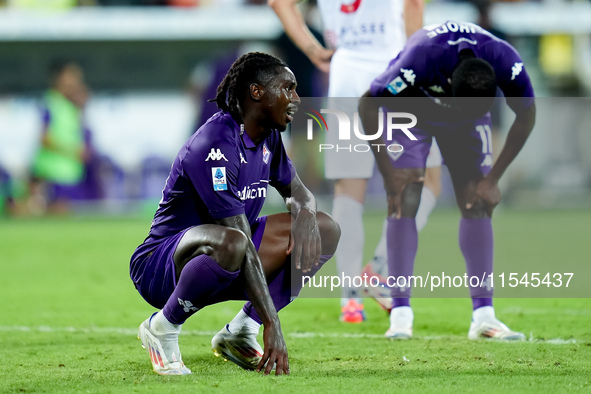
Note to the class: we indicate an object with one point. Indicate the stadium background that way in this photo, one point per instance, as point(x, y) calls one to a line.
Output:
point(147, 68)
point(68, 307)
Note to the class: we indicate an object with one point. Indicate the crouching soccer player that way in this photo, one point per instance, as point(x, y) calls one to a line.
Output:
point(455, 68)
point(207, 244)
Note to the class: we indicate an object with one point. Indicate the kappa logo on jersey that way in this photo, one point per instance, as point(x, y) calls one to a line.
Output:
point(396, 86)
point(350, 8)
point(437, 89)
point(242, 159)
point(409, 75)
point(516, 70)
point(266, 154)
point(218, 176)
point(215, 155)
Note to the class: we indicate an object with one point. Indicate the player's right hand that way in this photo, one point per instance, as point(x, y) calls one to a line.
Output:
point(486, 190)
point(305, 244)
point(275, 351)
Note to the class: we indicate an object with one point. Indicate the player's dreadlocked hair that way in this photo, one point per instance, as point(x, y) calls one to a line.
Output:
point(473, 78)
point(253, 67)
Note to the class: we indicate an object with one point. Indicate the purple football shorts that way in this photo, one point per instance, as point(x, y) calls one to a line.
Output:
point(156, 270)
point(466, 146)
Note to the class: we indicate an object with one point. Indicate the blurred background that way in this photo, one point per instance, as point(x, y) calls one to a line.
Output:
point(137, 75)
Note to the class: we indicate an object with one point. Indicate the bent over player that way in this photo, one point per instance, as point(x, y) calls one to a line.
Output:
point(366, 35)
point(207, 243)
point(443, 64)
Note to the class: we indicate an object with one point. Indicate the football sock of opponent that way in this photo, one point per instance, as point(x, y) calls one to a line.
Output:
point(402, 248)
point(476, 243)
point(380, 255)
point(283, 290)
point(348, 212)
point(212, 279)
point(428, 201)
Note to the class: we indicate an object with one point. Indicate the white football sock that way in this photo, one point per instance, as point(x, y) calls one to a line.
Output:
point(485, 313)
point(379, 263)
point(161, 325)
point(428, 201)
point(348, 213)
point(243, 322)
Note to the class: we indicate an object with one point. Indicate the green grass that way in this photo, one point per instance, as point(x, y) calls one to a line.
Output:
point(69, 312)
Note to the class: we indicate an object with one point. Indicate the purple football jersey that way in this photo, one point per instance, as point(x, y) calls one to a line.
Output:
point(218, 173)
point(426, 63)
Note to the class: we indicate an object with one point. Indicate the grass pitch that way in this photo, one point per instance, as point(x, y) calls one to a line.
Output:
point(69, 315)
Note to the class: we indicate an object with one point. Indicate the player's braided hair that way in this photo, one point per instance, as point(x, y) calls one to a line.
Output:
point(253, 67)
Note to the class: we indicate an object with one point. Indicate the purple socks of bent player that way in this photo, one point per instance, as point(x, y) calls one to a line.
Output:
point(402, 243)
point(476, 243)
point(283, 290)
point(201, 278)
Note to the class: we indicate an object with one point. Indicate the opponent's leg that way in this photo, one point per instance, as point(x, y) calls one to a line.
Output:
point(429, 195)
point(348, 212)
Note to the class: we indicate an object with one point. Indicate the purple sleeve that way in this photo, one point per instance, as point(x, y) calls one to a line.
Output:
point(282, 171)
point(512, 77)
point(405, 73)
point(212, 165)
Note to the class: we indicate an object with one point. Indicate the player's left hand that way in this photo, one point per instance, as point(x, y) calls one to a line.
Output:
point(486, 190)
point(275, 351)
point(305, 244)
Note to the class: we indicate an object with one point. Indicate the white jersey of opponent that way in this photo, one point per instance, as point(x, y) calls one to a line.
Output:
point(366, 34)
point(364, 29)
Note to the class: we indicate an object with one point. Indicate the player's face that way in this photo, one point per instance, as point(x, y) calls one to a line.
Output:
point(281, 99)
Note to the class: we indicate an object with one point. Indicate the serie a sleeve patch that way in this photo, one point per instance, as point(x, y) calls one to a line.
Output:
point(218, 177)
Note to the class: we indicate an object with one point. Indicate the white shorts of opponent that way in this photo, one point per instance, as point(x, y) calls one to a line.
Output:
point(350, 77)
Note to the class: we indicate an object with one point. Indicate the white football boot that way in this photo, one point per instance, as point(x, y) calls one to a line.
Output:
point(486, 325)
point(380, 293)
point(241, 347)
point(163, 349)
point(401, 319)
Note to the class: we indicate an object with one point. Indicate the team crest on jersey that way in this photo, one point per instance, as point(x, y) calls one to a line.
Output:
point(516, 70)
point(395, 154)
point(215, 154)
point(218, 176)
point(266, 154)
point(396, 86)
point(409, 75)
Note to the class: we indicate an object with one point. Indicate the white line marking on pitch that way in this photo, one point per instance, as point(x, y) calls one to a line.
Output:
point(341, 335)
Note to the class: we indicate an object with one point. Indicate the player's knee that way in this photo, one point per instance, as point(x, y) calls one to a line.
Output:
point(230, 249)
point(478, 211)
point(330, 232)
point(410, 199)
